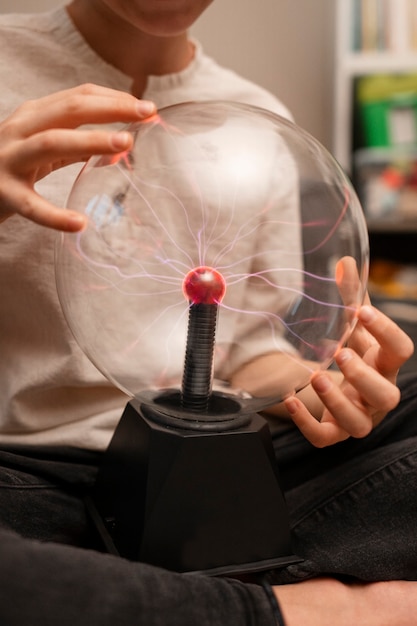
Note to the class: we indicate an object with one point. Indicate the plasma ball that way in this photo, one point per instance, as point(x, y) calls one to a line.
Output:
point(204, 285)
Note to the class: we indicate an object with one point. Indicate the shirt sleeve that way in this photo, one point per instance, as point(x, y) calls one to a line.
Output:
point(275, 276)
point(50, 583)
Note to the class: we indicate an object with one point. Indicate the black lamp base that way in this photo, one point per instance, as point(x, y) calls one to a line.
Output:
point(192, 499)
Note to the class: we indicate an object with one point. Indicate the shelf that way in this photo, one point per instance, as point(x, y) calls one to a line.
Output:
point(356, 64)
point(387, 187)
point(370, 156)
point(353, 64)
point(392, 225)
point(385, 178)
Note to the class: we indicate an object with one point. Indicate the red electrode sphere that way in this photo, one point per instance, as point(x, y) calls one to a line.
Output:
point(204, 285)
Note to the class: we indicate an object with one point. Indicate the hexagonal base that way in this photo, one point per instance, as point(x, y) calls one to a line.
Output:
point(192, 501)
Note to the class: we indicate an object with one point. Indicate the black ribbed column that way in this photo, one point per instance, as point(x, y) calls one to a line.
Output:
point(198, 364)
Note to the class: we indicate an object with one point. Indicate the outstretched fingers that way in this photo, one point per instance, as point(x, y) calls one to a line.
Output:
point(55, 148)
point(85, 104)
point(46, 151)
point(346, 412)
point(37, 209)
point(43, 135)
point(368, 390)
point(319, 434)
point(392, 346)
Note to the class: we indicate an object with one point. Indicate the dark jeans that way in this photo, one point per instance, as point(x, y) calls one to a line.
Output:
point(353, 511)
point(353, 506)
point(47, 583)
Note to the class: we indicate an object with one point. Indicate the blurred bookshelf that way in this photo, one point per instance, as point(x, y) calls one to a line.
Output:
point(375, 138)
point(360, 55)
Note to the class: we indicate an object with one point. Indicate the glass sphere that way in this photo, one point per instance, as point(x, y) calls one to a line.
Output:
point(223, 208)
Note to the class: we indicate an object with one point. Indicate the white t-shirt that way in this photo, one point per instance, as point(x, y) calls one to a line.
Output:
point(50, 393)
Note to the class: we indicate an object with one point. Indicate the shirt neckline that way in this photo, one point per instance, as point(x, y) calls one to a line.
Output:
point(69, 34)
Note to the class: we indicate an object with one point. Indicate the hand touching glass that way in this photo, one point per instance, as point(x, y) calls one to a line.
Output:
point(43, 135)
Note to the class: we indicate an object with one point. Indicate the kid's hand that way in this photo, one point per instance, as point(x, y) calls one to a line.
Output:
point(43, 135)
point(369, 365)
